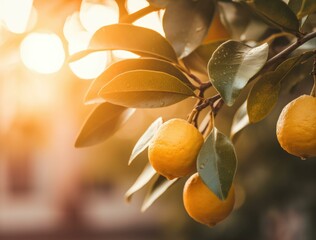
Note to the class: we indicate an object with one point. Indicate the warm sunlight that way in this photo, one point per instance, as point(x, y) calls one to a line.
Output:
point(42, 52)
point(90, 66)
point(16, 14)
point(135, 5)
point(78, 39)
point(94, 16)
point(152, 21)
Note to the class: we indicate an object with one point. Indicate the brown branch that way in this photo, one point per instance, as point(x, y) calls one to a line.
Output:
point(130, 18)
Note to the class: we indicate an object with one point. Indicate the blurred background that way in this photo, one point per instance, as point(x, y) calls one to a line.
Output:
point(51, 190)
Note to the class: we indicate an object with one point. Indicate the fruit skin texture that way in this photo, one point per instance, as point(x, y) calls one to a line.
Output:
point(174, 148)
point(296, 127)
point(203, 205)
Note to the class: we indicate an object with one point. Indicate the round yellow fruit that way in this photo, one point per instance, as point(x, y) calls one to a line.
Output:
point(296, 127)
point(203, 205)
point(174, 148)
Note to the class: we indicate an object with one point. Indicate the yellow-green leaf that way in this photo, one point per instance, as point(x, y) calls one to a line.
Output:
point(146, 175)
point(129, 65)
point(103, 122)
point(145, 139)
point(232, 65)
point(265, 93)
point(240, 121)
point(156, 190)
point(216, 163)
point(145, 89)
point(132, 38)
point(302, 8)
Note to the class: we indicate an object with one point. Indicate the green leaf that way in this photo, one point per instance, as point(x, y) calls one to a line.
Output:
point(129, 65)
point(232, 65)
point(146, 175)
point(132, 38)
point(216, 163)
point(103, 122)
point(199, 58)
point(302, 8)
point(240, 121)
point(145, 139)
point(265, 92)
point(277, 13)
point(156, 190)
point(145, 89)
point(186, 23)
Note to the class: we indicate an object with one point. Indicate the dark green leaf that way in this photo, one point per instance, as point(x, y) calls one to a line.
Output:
point(147, 174)
point(302, 8)
point(145, 139)
point(186, 23)
point(232, 65)
point(217, 163)
point(156, 190)
point(240, 121)
point(277, 13)
point(145, 89)
point(199, 58)
point(265, 93)
point(130, 65)
point(103, 121)
point(132, 38)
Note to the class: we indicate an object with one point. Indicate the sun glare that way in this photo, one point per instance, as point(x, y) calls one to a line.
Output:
point(94, 16)
point(135, 5)
point(78, 39)
point(16, 14)
point(42, 52)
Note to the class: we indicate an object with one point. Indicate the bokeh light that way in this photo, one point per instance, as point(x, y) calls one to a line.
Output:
point(42, 52)
point(94, 15)
point(16, 14)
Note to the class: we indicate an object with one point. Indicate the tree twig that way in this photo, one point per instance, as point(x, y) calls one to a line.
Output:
point(130, 18)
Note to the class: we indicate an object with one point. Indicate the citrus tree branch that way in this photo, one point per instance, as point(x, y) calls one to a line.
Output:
point(287, 51)
point(130, 18)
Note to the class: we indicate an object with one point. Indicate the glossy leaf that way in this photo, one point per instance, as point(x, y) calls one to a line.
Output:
point(147, 174)
point(302, 8)
point(145, 139)
point(265, 93)
point(240, 121)
point(129, 65)
point(186, 23)
point(277, 13)
point(232, 65)
point(216, 163)
point(132, 38)
point(103, 122)
point(199, 58)
point(156, 190)
point(145, 89)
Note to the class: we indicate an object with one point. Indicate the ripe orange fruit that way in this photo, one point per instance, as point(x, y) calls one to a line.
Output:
point(174, 148)
point(203, 205)
point(296, 127)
